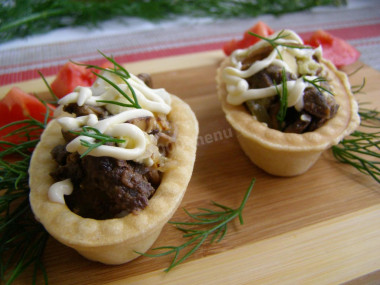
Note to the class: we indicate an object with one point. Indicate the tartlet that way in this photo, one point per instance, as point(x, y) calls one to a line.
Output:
point(289, 154)
point(116, 240)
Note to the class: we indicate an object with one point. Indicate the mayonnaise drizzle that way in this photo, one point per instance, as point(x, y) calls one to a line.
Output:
point(154, 100)
point(235, 78)
point(151, 100)
point(138, 145)
point(113, 126)
point(59, 189)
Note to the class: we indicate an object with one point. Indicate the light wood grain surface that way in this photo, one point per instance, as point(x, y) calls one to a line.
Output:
point(322, 227)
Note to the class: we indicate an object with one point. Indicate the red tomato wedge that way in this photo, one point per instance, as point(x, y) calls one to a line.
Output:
point(72, 75)
point(260, 28)
point(334, 48)
point(18, 105)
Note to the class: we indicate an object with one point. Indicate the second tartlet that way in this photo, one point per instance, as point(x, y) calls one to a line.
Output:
point(320, 108)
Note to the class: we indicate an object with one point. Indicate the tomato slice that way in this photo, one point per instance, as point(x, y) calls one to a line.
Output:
point(18, 105)
point(259, 28)
point(72, 75)
point(230, 46)
point(335, 49)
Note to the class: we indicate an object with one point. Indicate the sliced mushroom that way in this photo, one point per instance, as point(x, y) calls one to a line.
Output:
point(85, 110)
point(147, 124)
point(146, 78)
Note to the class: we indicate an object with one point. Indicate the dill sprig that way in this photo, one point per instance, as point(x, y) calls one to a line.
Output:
point(20, 18)
point(369, 117)
point(316, 82)
point(52, 94)
point(216, 221)
point(362, 148)
point(22, 238)
point(275, 42)
point(356, 70)
point(356, 89)
point(101, 139)
point(123, 74)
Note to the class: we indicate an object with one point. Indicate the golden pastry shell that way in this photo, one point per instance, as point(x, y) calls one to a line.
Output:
point(115, 241)
point(288, 154)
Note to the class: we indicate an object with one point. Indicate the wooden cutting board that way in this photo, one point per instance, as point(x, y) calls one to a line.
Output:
point(322, 227)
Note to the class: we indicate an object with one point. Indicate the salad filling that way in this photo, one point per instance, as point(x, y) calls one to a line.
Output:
point(117, 142)
point(282, 83)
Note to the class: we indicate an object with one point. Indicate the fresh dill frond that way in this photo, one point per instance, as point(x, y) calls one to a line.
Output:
point(370, 118)
point(22, 238)
point(275, 42)
point(134, 102)
point(123, 74)
point(101, 139)
point(52, 94)
point(355, 70)
point(361, 149)
point(356, 89)
point(316, 82)
point(216, 222)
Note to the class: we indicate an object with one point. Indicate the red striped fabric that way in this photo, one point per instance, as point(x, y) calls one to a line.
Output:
point(360, 27)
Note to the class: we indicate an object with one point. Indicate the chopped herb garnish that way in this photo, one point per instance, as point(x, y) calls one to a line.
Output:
point(101, 139)
point(216, 221)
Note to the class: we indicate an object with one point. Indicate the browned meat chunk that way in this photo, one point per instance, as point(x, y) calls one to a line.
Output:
point(147, 124)
point(267, 77)
point(69, 165)
point(299, 125)
point(60, 154)
point(105, 187)
point(317, 105)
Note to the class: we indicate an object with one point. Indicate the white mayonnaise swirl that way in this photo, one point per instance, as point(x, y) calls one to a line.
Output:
point(59, 189)
point(298, 61)
point(113, 126)
point(154, 100)
point(138, 145)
